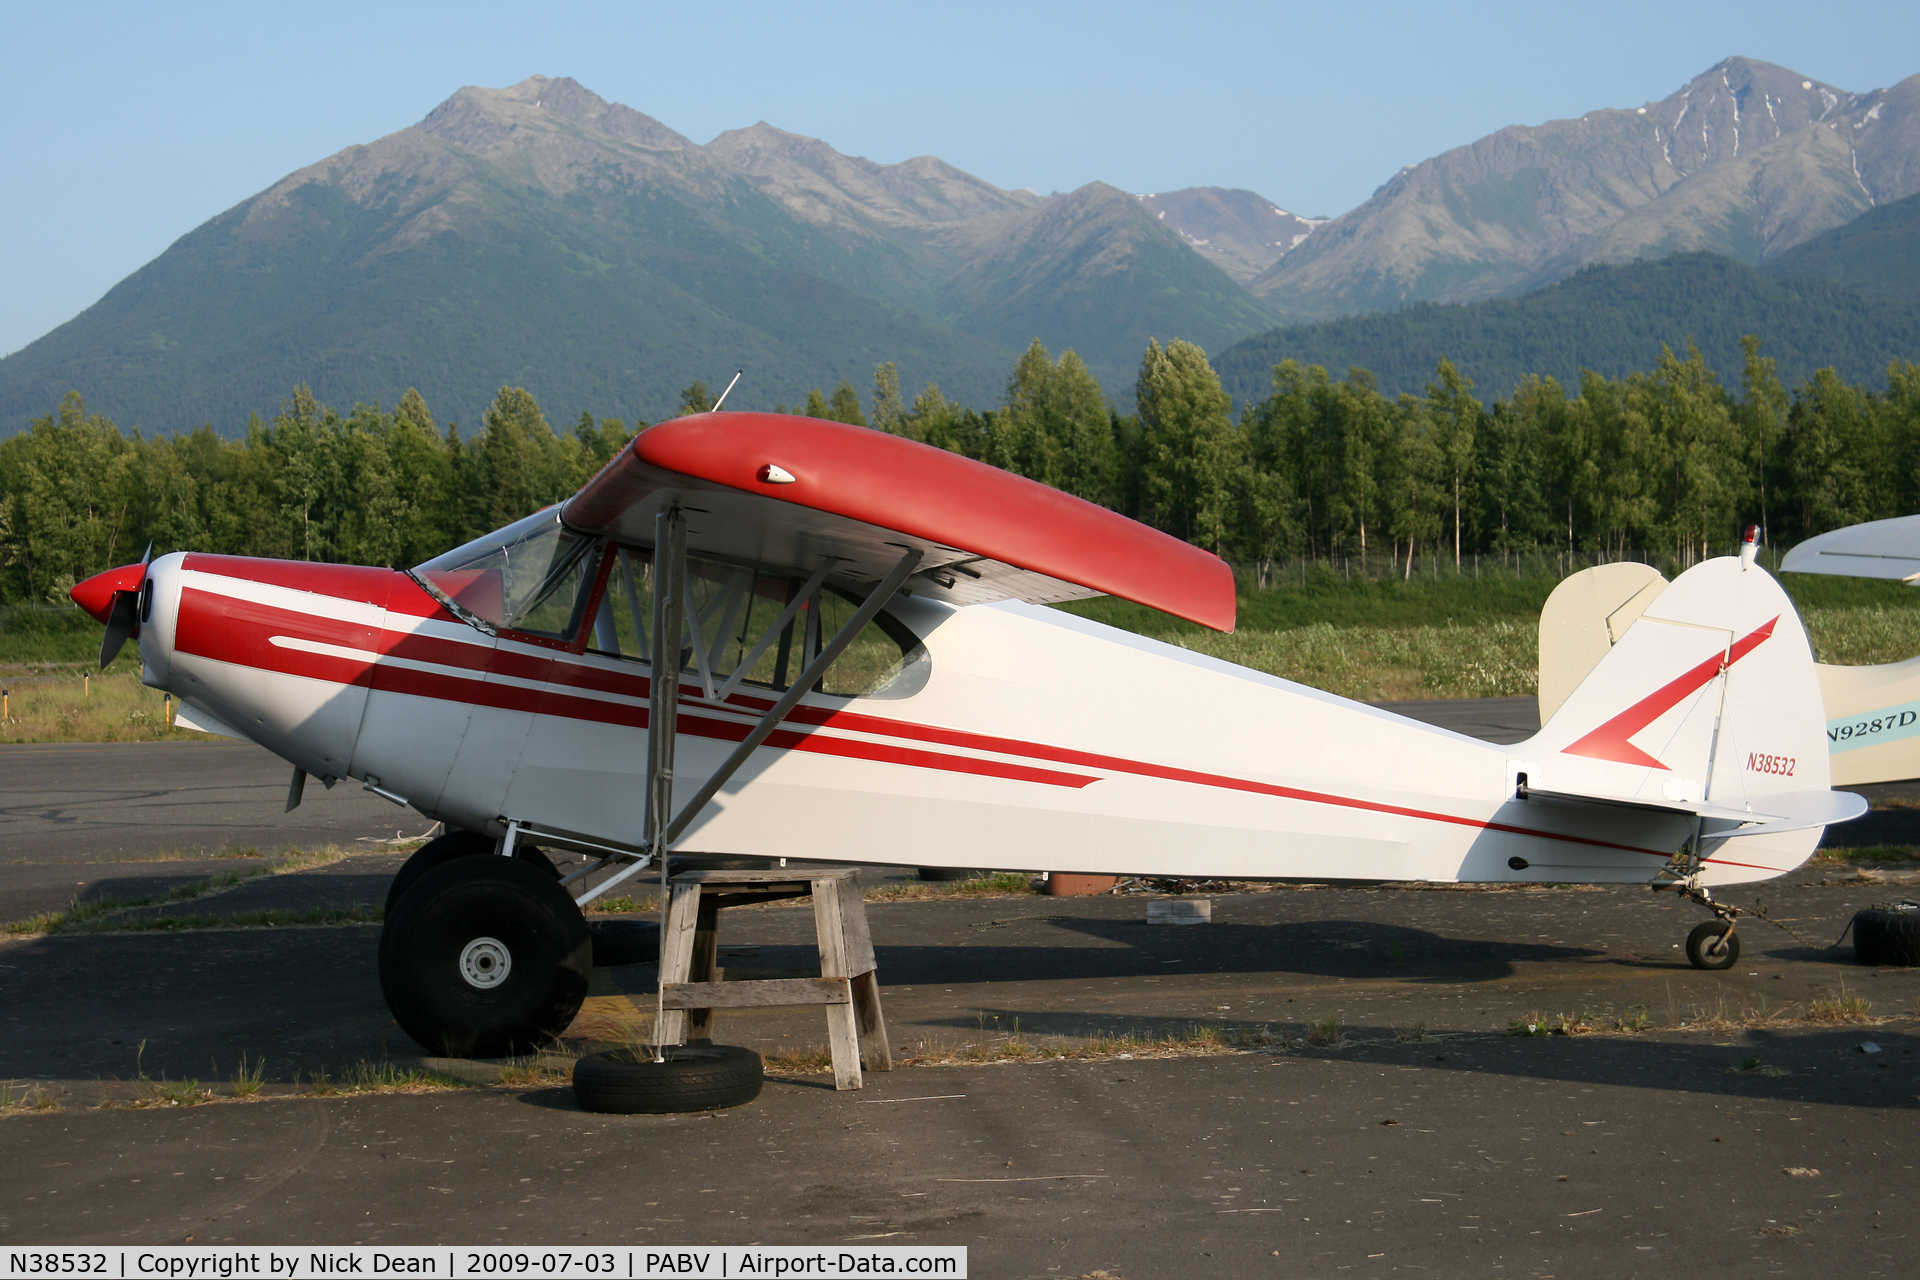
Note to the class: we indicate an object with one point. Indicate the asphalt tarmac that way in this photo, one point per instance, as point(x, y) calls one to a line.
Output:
point(1731, 1133)
point(87, 802)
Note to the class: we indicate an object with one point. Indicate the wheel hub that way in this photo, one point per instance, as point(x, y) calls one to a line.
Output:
point(485, 963)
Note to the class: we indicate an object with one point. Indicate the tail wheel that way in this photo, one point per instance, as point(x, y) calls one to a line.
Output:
point(1713, 945)
point(484, 957)
point(443, 849)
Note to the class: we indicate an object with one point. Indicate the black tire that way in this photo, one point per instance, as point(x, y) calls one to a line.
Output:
point(695, 1077)
point(443, 849)
point(1706, 935)
point(484, 957)
point(949, 873)
point(617, 942)
point(1888, 935)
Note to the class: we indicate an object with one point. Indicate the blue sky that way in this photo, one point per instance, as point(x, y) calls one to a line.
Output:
point(123, 126)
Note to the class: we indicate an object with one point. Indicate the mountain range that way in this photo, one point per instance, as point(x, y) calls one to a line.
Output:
point(541, 236)
point(544, 237)
point(1747, 160)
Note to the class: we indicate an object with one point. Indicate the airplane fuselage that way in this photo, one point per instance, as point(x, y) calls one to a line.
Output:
point(1025, 738)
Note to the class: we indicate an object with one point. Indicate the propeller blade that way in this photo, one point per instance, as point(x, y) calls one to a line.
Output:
point(122, 621)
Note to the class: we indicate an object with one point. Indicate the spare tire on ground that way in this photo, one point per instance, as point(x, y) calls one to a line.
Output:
point(1888, 934)
point(618, 941)
point(695, 1077)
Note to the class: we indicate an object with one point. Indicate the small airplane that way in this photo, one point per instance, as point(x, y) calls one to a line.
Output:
point(765, 635)
point(1872, 711)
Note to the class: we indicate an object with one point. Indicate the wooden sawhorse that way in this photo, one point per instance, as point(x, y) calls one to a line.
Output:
point(847, 985)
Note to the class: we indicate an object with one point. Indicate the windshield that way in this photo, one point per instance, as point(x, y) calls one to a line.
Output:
point(533, 575)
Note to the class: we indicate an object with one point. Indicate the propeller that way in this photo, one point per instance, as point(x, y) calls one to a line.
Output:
point(123, 616)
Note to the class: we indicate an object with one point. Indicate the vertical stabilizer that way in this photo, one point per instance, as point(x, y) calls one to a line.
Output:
point(1708, 701)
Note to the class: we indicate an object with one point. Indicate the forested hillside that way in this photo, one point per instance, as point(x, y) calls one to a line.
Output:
point(1667, 461)
point(1611, 319)
point(1877, 254)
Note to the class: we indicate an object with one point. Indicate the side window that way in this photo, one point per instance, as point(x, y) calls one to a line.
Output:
point(557, 612)
point(884, 660)
point(728, 612)
point(625, 615)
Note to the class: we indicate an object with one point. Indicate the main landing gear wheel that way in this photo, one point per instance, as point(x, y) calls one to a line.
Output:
point(695, 1077)
point(484, 957)
point(443, 849)
point(1713, 945)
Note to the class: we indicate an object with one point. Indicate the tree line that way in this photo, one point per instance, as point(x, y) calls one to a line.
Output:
point(1665, 463)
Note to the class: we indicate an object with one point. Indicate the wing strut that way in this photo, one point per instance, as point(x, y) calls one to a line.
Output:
point(898, 575)
point(669, 599)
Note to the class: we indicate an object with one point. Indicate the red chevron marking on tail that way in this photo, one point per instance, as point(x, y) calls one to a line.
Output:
point(1609, 741)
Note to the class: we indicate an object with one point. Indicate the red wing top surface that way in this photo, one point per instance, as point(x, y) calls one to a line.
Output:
point(783, 490)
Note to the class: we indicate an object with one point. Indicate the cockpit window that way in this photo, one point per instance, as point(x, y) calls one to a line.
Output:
point(534, 575)
point(729, 613)
point(885, 659)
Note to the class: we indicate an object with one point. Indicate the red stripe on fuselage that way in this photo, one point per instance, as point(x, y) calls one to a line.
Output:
point(228, 629)
point(340, 581)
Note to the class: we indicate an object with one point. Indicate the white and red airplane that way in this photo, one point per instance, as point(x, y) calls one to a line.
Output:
point(859, 672)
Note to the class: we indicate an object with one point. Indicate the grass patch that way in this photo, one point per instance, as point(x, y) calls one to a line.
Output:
point(358, 913)
point(1373, 663)
point(1559, 1024)
point(1330, 601)
point(1196, 1041)
point(1859, 636)
point(110, 706)
point(1635, 1020)
point(1468, 638)
point(376, 1077)
point(94, 915)
point(1325, 1033)
point(544, 1070)
point(1843, 1007)
point(247, 1080)
point(1001, 884)
point(1869, 854)
point(16, 1100)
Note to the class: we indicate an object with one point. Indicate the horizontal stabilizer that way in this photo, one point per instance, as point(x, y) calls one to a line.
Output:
point(1785, 810)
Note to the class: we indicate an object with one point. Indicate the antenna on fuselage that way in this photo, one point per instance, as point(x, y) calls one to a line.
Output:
point(724, 394)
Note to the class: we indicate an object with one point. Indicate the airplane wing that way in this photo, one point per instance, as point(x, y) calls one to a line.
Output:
point(1876, 549)
point(781, 490)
